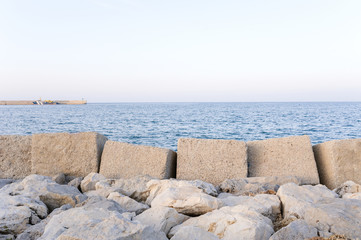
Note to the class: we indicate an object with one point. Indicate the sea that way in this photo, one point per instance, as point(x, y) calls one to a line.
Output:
point(162, 124)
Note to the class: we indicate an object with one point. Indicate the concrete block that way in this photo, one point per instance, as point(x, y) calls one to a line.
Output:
point(211, 160)
point(338, 161)
point(74, 154)
point(288, 156)
point(15, 156)
point(124, 160)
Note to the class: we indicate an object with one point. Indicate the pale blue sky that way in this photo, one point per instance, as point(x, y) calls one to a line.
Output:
point(206, 50)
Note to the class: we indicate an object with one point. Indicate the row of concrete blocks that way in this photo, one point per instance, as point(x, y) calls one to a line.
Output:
point(78, 154)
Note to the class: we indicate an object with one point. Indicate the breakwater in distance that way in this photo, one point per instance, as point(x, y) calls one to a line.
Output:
point(43, 102)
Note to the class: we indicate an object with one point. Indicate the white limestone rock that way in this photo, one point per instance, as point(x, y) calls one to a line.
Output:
point(193, 233)
point(256, 185)
point(75, 182)
point(356, 196)
point(59, 178)
point(19, 212)
point(296, 199)
point(265, 204)
point(46, 190)
point(186, 199)
point(296, 230)
point(97, 223)
point(103, 203)
point(4, 182)
point(347, 188)
point(127, 203)
point(335, 216)
point(88, 183)
point(231, 223)
point(135, 187)
point(161, 218)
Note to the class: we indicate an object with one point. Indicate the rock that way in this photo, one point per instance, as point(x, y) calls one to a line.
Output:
point(356, 196)
point(96, 223)
point(256, 185)
point(231, 223)
point(265, 204)
point(335, 216)
point(101, 202)
point(135, 187)
point(46, 190)
point(15, 156)
point(88, 183)
point(74, 154)
point(104, 192)
point(34, 232)
point(59, 178)
point(124, 160)
point(127, 203)
point(296, 230)
point(201, 158)
point(288, 156)
point(19, 212)
point(193, 233)
point(182, 196)
point(348, 187)
point(7, 237)
point(296, 199)
point(4, 182)
point(161, 218)
point(338, 161)
point(75, 182)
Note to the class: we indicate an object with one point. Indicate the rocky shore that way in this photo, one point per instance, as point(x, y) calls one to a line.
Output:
point(143, 207)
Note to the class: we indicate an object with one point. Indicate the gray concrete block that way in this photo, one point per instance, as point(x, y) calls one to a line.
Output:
point(211, 160)
point(74, 154)
point(338, 161)
point(15, 156)
point(124, 160)
point(288, 156)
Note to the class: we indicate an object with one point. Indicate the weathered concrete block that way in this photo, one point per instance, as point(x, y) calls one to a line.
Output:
point(338, 161)
point(124, 160)
point(15, 156)
point(76, 154)
point(211, 160)
point(288, 156)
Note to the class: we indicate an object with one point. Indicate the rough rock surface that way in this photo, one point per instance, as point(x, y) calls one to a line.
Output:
point(127, 203)
point(193, 233)
point(59, 178)
point(161, 218)
point(231, 223)
point(296, 230)
point(76, 154)
point(296, 199)
point(201, 158)
point(289, 156)
point(256, 185)
point(184, 196)
point(19, 212)
point(348, 187)
point(88, 183)
point(97, 223)
point(15, 156)
point(76, 182)
point(124, 160)
point(338, 161)
point(4, 182)
point(46, 190)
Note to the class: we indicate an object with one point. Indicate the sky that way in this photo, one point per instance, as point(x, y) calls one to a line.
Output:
point(181, 51)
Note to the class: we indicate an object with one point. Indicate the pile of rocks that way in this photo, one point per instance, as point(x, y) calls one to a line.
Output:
point(142, 207)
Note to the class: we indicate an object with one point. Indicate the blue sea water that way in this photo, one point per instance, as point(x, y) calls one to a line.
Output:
point(162, 124)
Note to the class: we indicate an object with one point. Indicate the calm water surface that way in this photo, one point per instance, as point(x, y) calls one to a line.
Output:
point(161, 124)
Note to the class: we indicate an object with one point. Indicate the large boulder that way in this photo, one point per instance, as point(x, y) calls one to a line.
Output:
point(161, 218)
point(127, 203)
point(211, 160)
point(97, 223)
point(193, 233)
point(256, 185)
point(296, 230)
point(231, 223)
point(76, 154)
point(88, 183)
point(338, 161)
point(19, 212)
point(288, 156)
point(124, 160)
point(15, 156)
point(45, 190)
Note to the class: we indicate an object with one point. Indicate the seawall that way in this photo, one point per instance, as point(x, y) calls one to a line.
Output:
point(39, 102)
point(78, 154)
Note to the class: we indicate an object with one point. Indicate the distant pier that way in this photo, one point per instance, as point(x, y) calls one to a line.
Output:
point(44, 102)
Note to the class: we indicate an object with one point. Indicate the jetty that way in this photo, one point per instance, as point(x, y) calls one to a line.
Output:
point(43, 102)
